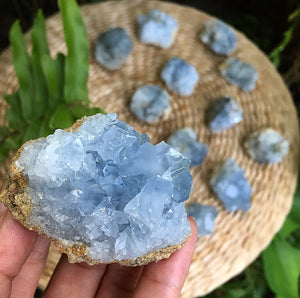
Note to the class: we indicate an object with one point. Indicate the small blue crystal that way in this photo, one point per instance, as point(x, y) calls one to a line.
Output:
point(157, 28)
point(185, 141)
point(149, 103)
point(113, 48)
point(240, 74)
point(180, 76)
point(267, 146)
point(231, 186)
point(105, 185)
point(224, 113)
point(204, 217)
point(219, 36)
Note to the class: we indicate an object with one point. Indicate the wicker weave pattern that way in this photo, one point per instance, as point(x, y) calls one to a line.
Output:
point(238, 237)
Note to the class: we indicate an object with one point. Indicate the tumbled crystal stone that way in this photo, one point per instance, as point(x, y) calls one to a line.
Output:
point(240, 74)
point(149, 103)
point(185, 141)
point(267, 146)
point(231, 186)
point(219, 37)
point(204, 217)
point(105, 185)
point(224, 113)
point(179, 76)
point(113, 48)
point(157, 28)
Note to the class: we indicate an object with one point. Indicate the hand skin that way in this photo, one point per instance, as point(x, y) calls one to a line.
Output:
point(23, 255)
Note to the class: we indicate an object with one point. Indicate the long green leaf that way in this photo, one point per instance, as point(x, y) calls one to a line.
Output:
point(14, 114)
point(21, 63)
point(32, 132)
point(282, 268)
point(39, 49)
point(62, 118)
point(76, 68)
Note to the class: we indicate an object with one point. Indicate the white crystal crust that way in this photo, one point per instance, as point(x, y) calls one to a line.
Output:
point(106, 186)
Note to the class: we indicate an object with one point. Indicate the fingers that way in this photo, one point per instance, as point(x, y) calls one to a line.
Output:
point(16, 243)
point(166, 277)
point(74, 280)
point(24, 285)
point(119, 281)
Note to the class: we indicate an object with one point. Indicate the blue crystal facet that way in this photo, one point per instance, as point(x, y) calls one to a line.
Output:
point(149, 103)
point(224, 113)
point(157, 28)
point(185, 141)
point(180, 76)
point(105, 185)
point(204, 217)
point(219, 37)
point(267, 146)
point(113, 48)
point(240, 74)
point(231, 186)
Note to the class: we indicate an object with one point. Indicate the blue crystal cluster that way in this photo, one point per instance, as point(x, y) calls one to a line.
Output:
point(231, 186)
point(224, 113)
point(185, 141)
point(204, 217)
point(219, 37)
point(180, 76)
point(240, 74)
point(105, 185)
point(267, 146)
point(113, 48)
point(157, 28)
point(149, 103)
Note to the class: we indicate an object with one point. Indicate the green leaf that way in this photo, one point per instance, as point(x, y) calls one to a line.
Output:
point(62, 118)
point(50, 72)
point(32, 132)
point(22, 67)
point(13, 114)
point(39, 50)
point(80, 111)
point(77, 64)
point(288, 227)
point(45, 129)
point(3, 153)
point(281, 268)
point(295, 211)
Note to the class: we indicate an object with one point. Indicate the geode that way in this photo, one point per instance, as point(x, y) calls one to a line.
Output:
point(157, 28)
point(150, 102)
point(103, 192)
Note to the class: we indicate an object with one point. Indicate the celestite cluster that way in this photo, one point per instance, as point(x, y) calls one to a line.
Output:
point(231, 186)
point(185, 141)
point(113, 48)
point(150, 102)
point(204, 217)
point(219, 37)
point(180, 76)
point(224, 113)
point(267, 146)
point(157, 28)
point(105, 185)
point(239, 73)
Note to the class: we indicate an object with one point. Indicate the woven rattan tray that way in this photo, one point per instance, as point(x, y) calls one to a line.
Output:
point(238, 237)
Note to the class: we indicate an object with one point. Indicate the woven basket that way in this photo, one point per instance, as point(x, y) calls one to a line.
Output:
point(238, 237)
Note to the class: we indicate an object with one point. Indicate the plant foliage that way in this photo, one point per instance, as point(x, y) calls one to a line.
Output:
point(52, 92)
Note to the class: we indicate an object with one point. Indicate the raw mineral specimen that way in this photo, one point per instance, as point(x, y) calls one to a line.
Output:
point(103, 191)
point(149, 103)
point(157, 28)
point(267, 146)
point(231, 186)
point(180, 76)
point(204, 216)
point(224, 113)
point(185, 141)
point(240, 74)
point(219, 37)
point(113, 48)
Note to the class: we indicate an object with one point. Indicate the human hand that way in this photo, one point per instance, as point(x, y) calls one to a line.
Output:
point(23, 254)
